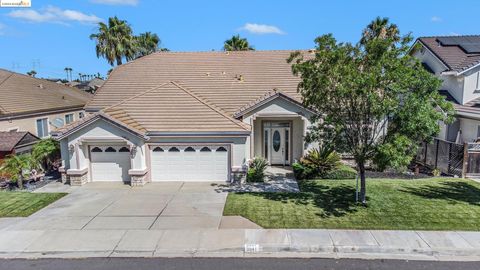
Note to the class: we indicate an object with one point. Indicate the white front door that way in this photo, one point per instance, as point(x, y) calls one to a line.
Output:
point(189, 163)
point(277, 146)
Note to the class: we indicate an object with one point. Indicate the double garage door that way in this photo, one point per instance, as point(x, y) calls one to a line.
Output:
point(168, 163)
point(189, 163)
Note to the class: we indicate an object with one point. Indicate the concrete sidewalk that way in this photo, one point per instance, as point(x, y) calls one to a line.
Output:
point(413, 245)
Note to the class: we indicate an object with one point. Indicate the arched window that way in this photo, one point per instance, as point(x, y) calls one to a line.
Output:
point(97, 150)
point(173, 149)
point(205, 149)
point(189, 149)
point(124, 149)
point(158, 149)
point(110, 150)
point(221, 149)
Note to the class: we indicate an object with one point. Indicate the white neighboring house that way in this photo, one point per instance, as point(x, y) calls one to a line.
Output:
point(188, 116)
point(455, 60)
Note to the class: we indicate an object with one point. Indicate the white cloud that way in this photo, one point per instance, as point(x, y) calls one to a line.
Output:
point(436, 19)
point(54, 15)
point(116, 2)
point(261, 29)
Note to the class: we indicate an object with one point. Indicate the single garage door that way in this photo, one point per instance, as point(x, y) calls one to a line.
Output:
point(189, 163)
point(110, 163)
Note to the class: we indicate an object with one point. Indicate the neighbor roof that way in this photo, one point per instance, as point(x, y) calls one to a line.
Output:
point(458, 53)
point(10, 139)
point(24, 94)
point(226, 80)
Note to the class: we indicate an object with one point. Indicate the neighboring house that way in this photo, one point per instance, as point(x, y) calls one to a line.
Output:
point(455, 60)
point(188, 116)
point(15, 142)
point(90, 86)
point(36, 105)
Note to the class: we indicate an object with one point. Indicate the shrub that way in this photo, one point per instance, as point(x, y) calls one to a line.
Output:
point(256, 169)
point(319, 161)
point(341, 172)
point(302, 171)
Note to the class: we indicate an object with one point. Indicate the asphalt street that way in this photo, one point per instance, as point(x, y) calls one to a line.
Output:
point(229, 263)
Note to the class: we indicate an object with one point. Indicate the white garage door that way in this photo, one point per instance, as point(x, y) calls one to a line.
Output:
point(189, 163)
point(110, 163)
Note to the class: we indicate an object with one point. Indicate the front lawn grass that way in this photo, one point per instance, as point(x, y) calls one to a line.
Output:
point(23, 204)
point(426, 204)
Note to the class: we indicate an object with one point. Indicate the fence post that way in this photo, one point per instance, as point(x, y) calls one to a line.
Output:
point(465, 160)
point(436, 153)
point(449, 157)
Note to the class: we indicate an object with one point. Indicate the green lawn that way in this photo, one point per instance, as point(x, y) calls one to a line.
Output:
point(427, 204)
point(23, 204)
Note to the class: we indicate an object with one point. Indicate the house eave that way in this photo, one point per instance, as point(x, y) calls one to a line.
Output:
point(198, 133)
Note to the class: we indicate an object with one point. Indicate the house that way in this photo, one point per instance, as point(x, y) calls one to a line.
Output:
point(90, 86)
point(188, 116)
point(16, 142)
point(36, 105)
point(455, 60)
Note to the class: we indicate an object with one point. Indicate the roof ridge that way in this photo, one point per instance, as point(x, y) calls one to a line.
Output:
point(135, 96)
point(211, 106)
point(440, 36)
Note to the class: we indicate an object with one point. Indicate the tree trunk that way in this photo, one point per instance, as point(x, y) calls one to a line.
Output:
point(119, 61)
point(20, 181)
point(363, 186)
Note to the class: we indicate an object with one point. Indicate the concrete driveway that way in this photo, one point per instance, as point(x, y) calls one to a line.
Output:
point(114, 206)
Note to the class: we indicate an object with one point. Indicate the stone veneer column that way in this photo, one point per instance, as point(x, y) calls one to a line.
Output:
point(78, 177)
point(138, 178)
point(63, 173)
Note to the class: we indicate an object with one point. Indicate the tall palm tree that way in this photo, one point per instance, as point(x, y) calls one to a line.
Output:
point(114, 41)
point(236, 43)
point(68, 70)
point(380, 28)
point(146, 43)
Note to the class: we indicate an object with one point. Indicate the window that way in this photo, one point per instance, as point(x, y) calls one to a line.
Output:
point(189, 149)
point(110, 150)
point(96, 150)
point(286, 143)
point(173, 149)
point(221, 149)
point(81, 115)
point(42, 127)
point(68, 118)
point(266, 143)
point(158, 149)
point(124, 149)
point(276, 141)
point(205, 149)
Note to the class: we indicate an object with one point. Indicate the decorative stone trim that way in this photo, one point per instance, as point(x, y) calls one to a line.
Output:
point(78, 177)
point(63, 172)
point(239, 174)
point(138, 177)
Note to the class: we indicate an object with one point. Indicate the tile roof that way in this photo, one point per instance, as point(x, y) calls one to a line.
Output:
point(24, 94)
point(470, 107)
point(10, 139)
point(451, 53)
point(226, 80)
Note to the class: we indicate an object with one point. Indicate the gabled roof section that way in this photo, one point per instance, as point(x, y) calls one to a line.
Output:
point(227, 80)
point(116, 120)
point(171, 107)
point(457, 53)
point(266, 98)
point(22, 94)
point(11, 139)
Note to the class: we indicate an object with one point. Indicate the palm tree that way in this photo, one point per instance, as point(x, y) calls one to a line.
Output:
point(114, 41)
point(236, 43)
point(18, 166)
point(146, 43)
point(69, 73)
point(45, 152)
point(380, 28)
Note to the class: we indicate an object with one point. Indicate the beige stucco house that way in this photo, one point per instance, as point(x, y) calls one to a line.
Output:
point(188, 116)
point(37, 106)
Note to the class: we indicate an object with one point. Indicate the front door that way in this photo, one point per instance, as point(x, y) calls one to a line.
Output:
point(277, 140)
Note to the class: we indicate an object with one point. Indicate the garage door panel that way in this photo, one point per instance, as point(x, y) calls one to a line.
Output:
point(108, 163)
point(191, 163)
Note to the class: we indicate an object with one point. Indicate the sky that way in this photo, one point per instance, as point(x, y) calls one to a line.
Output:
point(54, 34)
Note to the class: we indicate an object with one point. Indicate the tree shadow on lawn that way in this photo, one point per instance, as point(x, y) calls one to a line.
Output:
point(334, 201)
point(451, 191)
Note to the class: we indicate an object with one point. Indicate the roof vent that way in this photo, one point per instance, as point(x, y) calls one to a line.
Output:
point(40, 86)
point(240, 77)
point(223, 73)
point(208, 74)
point(227, 52)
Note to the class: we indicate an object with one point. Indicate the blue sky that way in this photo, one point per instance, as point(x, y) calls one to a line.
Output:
point(52, 35)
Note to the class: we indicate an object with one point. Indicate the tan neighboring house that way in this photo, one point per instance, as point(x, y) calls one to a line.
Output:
point(37, 106)
point(188, 116)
